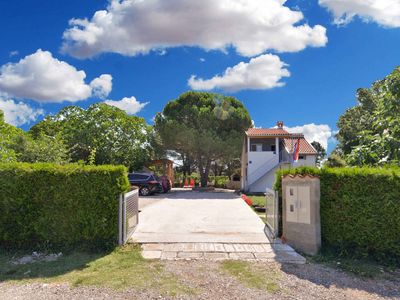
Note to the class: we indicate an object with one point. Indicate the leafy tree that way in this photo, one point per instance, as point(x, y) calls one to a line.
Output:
point(8, 134)
point(41, 149)
point(203, 127)
point(17, 145)
point(102, 134)
point(369, 133)
point(335, 161)
point(321, 152)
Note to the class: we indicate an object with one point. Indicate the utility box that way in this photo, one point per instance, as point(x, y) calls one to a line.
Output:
point(301, 223)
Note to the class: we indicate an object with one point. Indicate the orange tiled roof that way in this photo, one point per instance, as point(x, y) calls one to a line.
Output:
point(305, 146)
point(252, 132)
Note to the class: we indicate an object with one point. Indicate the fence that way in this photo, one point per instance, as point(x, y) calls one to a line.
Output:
point(272, 213)
point(128, 215)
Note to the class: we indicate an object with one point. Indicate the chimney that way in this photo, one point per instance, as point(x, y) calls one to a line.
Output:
point(279, 124)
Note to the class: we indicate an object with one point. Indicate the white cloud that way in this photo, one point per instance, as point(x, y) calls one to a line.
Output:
point(43, 78)
point(262, 72)
point(129, 104)
point(132, 27)
point(383, 12)
point(312, 132)
point(13, 53)
point(101, 86)
point(19, 113)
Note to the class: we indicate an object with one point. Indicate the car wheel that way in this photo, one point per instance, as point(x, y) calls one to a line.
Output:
point(144, 191)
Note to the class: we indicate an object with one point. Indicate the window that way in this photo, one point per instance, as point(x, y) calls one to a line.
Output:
point(302, 157)
point(256, 147)
point(236, 177)
point(262, 145)
point(138, 177)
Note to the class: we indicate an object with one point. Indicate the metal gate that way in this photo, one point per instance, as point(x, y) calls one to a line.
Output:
point(273, 214)
point(128, 215)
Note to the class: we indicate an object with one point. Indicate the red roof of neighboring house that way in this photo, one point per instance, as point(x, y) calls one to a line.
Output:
point(253, 132)
point(305, 147)
point(289, 139)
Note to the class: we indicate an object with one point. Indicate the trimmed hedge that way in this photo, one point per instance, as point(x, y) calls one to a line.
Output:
point(60, 206)
point(360, 210)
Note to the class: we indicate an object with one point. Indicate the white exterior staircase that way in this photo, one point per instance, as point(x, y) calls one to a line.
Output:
point(262, 170)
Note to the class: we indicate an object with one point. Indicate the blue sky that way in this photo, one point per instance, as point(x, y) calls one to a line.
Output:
point(360, 45)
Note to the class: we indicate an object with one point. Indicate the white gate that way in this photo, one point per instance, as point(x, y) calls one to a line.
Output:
point(272, 213)
point(128, 215)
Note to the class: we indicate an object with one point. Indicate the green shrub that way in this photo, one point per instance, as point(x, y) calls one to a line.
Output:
point(60, 206)
point(219, 181)
point(360, 210)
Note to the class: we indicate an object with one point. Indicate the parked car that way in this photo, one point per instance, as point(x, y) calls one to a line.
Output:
point(147, 183)
point(165, 183)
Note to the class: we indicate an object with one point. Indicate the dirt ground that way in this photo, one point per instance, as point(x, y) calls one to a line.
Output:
point(208, 280)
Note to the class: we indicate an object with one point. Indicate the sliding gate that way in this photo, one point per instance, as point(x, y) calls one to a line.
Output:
point(128, 215)
point(273, 214)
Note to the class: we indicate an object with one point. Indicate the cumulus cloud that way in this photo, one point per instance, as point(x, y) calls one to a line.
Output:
point(43, 78)
point(383, 12)
point(262, 72)
point(19, 113)
point(101, 86)
point(312, 132)
point(131, 27)
point(128, 104)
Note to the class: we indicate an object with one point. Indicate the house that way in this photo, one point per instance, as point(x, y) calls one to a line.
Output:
point(266, 150)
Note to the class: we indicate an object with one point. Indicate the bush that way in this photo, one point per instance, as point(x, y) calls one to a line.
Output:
point(60, 206)
point(360, 210)
point(219, 181)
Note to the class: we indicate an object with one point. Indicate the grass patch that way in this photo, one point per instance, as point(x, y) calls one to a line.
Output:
point(252, 277)
point(122, 268)
point(362, 267)
point(258, 200)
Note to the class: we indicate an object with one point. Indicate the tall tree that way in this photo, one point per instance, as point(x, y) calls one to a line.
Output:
point(7, 135)
point(102, 134)
point(369, 133)
point(321, 152)
point(204, 127)
point(17, 145)
point(41, 149)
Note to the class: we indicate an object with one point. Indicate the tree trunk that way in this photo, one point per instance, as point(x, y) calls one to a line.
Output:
point(183, 165)
point(204, 171)
point(215, 172)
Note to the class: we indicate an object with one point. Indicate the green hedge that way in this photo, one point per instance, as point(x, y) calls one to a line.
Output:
point(360, 210)
point(60, 206)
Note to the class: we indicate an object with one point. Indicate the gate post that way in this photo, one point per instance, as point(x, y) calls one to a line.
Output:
point(121, 213)
point(271, 214)
point(301, 224)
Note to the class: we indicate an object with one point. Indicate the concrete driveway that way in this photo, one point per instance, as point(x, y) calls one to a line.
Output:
point(197, 217)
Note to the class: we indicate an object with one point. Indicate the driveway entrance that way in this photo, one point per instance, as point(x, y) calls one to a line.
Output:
point(188, 224)
point(184, 217)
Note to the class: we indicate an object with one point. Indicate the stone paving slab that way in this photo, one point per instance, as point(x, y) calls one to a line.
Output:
point(221, 251)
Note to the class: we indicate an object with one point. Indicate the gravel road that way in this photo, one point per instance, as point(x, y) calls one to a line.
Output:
point(309, 281)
